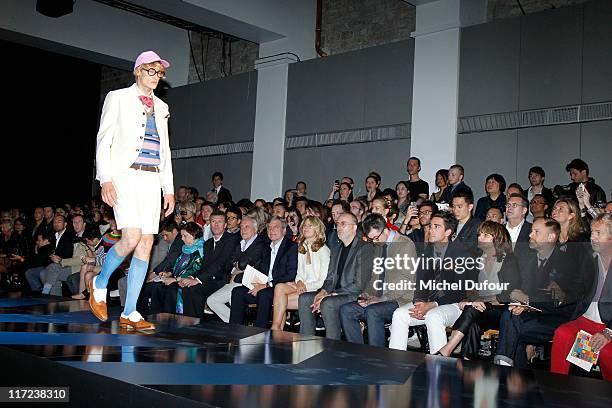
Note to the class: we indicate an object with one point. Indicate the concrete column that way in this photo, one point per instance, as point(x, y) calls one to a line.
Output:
point(436, 80)
point(270, 116)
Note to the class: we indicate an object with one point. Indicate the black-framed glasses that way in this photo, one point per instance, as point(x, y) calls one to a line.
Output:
point(183, 213)
point(153, 71)
point(371, 240)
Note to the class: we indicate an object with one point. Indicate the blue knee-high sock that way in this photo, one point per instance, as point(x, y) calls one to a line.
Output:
point(136, 276)
point(112, 262)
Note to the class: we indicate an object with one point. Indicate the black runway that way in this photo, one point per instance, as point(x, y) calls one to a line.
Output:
point(52, 341)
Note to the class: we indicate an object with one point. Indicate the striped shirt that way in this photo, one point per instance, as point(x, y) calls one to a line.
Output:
point(149, 154)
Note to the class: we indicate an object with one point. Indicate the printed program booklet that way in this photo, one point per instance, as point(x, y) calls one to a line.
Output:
point(581, 353)
point(252, 275)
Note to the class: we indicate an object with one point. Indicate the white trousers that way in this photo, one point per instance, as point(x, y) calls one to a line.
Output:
point(138, 200)
point(436, 320)
point(217, 301)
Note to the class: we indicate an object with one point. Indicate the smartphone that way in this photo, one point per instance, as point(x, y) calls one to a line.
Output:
point(336, 181)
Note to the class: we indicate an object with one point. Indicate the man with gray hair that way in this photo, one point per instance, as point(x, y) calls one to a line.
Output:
point(279, 263)
point(249, 252)
point(594, 313)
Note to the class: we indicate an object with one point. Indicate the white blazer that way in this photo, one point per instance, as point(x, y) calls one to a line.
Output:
point(313, 275)
point(121, 136)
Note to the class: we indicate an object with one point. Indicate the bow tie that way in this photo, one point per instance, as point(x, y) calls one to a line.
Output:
point(146, 101)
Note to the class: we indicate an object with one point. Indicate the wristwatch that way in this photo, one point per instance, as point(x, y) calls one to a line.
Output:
point(607, 332)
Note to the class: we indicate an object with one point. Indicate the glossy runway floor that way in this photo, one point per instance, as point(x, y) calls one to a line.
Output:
point(49, 341)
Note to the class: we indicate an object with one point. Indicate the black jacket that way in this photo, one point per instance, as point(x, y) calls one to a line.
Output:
point(285, 263)
point(467, 238)
point(64, 248)
point(605, 301)
point(167, 263)
point(447, 196)
point(252, 256)
point(223, 195)
point(216, 264)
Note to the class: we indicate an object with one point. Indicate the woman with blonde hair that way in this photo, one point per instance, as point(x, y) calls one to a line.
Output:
point(567, 213)
point(313, 261)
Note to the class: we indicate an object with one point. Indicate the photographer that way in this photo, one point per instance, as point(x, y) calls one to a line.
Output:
point(579, 174)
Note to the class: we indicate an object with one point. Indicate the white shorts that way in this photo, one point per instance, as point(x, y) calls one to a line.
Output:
point(138, 200)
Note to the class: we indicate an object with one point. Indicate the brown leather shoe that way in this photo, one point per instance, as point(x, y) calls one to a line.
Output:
point(97, 308)
point(140, 324)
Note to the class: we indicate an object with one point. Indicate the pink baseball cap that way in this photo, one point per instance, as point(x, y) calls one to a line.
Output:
point(148, 57)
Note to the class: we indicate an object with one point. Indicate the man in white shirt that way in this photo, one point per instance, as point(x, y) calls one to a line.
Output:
point(516, 210)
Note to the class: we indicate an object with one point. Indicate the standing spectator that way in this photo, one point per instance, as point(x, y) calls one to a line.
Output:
point(456, 173)
point(223, 194)
point(579, 173)
point(536, 186)
point(416, 186)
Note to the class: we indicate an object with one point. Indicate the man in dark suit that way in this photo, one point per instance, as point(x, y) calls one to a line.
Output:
point(593, 314)
point(350, 268)
point(223, 194)
point(170, 234)
point(548, 285)
point(455, 183)
point(517, 208)
point(462, 205)
point(215, 267)
point(279, 263)
point(63, 249)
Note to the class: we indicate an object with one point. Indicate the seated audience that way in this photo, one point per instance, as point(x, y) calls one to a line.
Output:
point(593, 314)
point(441, 183)
point(496, 215)
point(312, 266)
point(280, 264)
point(375, 306)
point(495, 185)
point(215, 267)
point(167, 294)
point(538, 207)
point(350, 268)
point(249, 252)
point(482, 309)
point(436, 309)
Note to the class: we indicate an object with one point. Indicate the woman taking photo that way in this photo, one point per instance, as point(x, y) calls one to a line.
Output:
point(313, 261)
point(483, 310)
point(372, 185)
